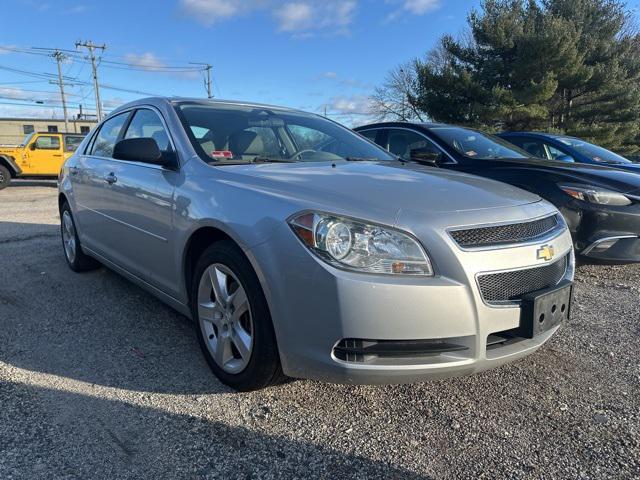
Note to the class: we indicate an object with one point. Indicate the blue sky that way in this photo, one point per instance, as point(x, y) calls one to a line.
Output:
point(301, 53)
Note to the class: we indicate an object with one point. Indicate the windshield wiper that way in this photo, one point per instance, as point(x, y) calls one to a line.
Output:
point(259, 159)
point(361, 159)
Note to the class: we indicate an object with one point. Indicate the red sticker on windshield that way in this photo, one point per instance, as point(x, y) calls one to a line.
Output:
point(222, 154)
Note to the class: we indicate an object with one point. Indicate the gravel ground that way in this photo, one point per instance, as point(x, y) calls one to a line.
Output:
point(100, 380)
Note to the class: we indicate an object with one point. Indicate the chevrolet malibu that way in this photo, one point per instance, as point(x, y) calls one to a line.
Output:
point(301, 249)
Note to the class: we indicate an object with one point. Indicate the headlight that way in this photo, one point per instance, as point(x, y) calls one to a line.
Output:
point(597, 195)
point(358, 246)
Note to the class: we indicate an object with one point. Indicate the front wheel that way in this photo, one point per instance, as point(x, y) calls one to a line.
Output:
point(5, 177)
point(233, 321)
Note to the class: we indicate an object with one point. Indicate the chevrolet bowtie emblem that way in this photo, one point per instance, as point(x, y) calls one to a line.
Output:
point(545, 252)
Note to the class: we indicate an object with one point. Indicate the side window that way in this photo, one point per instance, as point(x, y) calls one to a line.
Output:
point(106, 138)
point(370, 134)
point(46, 142)
point(71, 142)
point(556, 154)
point(531, 146)
point(147, 124)
point(307, 138)
point(402, 142)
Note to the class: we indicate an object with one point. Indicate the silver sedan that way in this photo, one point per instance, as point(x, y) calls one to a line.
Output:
point(301, 249)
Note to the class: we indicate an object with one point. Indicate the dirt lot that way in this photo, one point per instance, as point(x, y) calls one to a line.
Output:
point(100, 380)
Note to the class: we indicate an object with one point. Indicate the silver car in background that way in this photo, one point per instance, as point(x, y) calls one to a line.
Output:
point(301, 249)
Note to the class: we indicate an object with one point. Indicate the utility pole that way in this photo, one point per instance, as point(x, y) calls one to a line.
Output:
point(207, 81)
point(91, 47)
point(59, 56)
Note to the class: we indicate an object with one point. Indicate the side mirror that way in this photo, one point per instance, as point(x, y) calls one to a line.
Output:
point(426, 155)
point(565, 158)
point(138, 150)
point(32, 146)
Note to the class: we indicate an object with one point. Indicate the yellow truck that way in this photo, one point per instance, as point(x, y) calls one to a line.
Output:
point(39, 155)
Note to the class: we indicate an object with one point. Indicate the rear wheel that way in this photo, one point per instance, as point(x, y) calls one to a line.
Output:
point(232, 319)
point(76, 259)
point(5, 177)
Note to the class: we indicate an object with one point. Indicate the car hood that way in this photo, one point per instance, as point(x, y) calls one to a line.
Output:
point(623, 181)
point(380, 186)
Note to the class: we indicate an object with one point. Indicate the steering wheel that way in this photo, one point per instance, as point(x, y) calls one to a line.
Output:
point(299, 154)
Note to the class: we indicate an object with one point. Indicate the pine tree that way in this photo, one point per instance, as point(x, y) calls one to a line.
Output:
point(571, 66)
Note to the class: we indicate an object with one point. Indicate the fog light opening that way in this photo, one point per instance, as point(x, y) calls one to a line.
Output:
point(605, 245)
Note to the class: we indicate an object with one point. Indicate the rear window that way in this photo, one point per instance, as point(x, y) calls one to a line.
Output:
point(71, 142)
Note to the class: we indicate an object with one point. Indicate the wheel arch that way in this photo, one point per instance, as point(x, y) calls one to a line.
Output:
point(10, 164)
point(62, 198)
point(199, 240)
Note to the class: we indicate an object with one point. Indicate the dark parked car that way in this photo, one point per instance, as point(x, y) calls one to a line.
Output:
point(600, 204)
point(567, 149)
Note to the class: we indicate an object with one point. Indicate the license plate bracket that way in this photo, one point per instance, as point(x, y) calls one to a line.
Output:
point(542, 310)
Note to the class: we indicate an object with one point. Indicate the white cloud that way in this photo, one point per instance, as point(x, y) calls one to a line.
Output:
point(354, 104)
point(15, 93)
point(305, 18)
point(5, 49)
point(147, 61)
point(413, 7)
point(420, 7)
point(209, 12)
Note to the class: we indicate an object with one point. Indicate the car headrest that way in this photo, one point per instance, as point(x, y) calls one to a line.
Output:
point(246, 143)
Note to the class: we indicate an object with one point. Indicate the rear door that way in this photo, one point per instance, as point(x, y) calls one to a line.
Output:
point(88, 183)
point(138, 206)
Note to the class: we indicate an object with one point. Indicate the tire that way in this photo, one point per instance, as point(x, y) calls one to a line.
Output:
point(236, 334)
point(5, 177)
point(76, 258)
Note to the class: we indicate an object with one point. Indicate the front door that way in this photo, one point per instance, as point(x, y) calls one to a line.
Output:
point(138, 206)
point(44, 155)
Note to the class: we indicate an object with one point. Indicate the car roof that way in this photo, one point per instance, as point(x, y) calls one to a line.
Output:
point(535, 134)
point(425, 125)
point(171, 101)
point(61, 133)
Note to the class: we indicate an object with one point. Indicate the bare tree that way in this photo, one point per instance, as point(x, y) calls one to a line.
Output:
point(394, 99)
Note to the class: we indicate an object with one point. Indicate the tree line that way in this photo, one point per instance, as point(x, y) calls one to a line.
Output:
point(566, 66)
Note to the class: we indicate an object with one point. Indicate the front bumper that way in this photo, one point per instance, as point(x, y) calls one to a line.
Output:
point(604, 234)
point(315, 306)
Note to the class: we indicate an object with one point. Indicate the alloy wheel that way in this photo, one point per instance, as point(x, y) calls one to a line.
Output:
point(68, 236)
point(225, 318)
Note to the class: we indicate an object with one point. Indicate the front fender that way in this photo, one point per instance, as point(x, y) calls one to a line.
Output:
point(11, 164)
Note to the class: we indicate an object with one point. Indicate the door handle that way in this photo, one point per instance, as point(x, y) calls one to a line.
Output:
point(111, 178)
point(56, 155)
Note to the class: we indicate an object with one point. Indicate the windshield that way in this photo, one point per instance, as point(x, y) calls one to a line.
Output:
point(27, 139)
point(594, 152)
point(236, 133)
point(474, 144)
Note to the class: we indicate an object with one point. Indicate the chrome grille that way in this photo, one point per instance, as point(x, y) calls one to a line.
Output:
point(509, 287)
point(505, 234)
